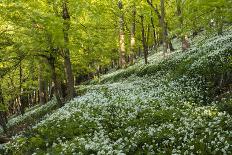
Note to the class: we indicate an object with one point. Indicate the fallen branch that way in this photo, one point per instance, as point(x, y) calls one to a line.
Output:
point(4, 139)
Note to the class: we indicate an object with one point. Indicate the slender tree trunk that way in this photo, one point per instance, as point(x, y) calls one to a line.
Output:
point(154, 32)
point(3, 116)
point(148, 35)
point(122, 48)
point(184, 39)
point(153, 28)
point(162, 23)
point(57, 87)
point(42, 83)
point(170, 46)
point(67, 61)
point(49, 91)
point(164, 27)
point(133, 35)
point(20, 98)
point(139, 52)
point(144, 40)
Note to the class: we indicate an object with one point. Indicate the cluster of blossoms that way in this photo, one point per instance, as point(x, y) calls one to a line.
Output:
point(137, 115)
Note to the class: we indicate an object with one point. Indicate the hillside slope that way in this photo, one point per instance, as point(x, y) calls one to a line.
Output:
point(170, 106)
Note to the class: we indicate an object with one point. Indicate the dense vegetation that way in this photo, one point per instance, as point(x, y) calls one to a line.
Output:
point(115, 77)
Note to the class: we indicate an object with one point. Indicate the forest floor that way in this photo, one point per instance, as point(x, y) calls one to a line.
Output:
point(180, 104)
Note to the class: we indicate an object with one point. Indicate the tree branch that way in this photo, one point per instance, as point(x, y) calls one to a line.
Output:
point(154, 8)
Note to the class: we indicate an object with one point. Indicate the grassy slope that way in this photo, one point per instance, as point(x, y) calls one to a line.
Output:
point(165, 107)
point(19, 123)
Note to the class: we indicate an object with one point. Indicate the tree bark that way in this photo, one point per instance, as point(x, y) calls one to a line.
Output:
point(154, 32)
point(57, 89)
point(4, 139)
point(133, 35)
point(21, 102)
point(170, 46)
point(67, 61)
point(184, 39)
point(42, 83)
point(164, 27)
point(122, 48)
point(144, 40)
point(3, 116)
point(162, 23)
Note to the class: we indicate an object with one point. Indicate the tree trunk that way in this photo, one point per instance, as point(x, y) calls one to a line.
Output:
point(67, 61)
point(4, 139)
point(42, 84)
point(3, 116)
point(184, 40)
point(122, 48)
point(133, 35)
point(170, 46)
point(153, 28)
point(24, 101)
point(50, 94)
point(57, 89)
point(164, 27)
point(185, 43)
point(147, 40)
point(21, 102)
point(154, 32)
point(144, 40)
point(162, 23)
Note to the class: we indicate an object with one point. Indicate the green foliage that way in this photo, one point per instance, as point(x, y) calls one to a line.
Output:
point(3, 107)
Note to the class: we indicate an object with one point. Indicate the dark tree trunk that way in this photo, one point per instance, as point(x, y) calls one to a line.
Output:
point(153, 28)
point(67, 61)
point(24, 101)
point(4, 139)
point(21, 103)
point(154, 32)
point(170, 46)
point(57, 89)
point(139, 52)
point(3, 114)
point(144, 40)
point(162, 23)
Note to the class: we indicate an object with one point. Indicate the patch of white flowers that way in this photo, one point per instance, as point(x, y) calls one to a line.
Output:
point(21, 118)
point(137, 115)
point(146, 113)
